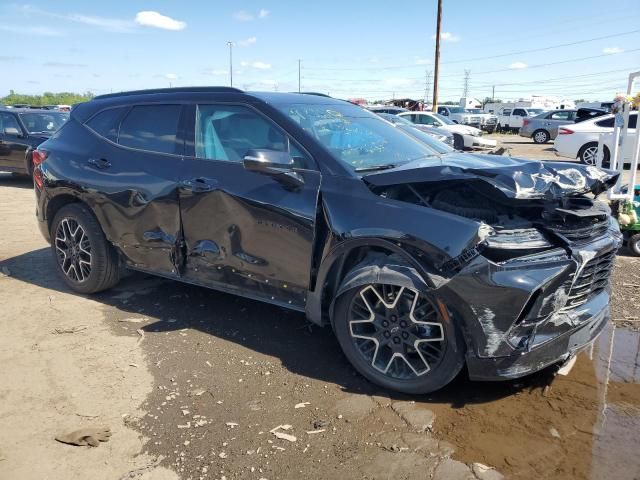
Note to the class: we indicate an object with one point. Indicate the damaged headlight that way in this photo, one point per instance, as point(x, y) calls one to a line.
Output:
point(502, 245)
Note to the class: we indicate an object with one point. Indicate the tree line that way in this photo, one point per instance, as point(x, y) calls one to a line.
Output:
point(47, 98)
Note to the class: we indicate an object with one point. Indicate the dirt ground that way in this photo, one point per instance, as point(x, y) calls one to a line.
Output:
point(193, 383)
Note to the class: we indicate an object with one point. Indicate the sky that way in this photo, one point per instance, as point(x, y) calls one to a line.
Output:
point(375, 49)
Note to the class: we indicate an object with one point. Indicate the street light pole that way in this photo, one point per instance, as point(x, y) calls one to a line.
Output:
point(299, 61)
point(436, 67)
point(230, 62)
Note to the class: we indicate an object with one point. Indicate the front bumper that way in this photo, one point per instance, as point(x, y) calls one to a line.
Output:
point(471, 141)
point(521, 315)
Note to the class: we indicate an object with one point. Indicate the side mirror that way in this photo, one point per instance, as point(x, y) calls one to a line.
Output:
point(273, 162)
point(12, 131)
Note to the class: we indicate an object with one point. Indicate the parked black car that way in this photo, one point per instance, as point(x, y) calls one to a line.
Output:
point(22, 130)
point(420, 261)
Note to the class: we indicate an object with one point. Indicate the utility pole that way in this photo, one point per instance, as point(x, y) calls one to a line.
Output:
point(427, 86)
point(299, 64)
point(230, 63)
point(465, 91)
point(437, 60)
point(493, 94)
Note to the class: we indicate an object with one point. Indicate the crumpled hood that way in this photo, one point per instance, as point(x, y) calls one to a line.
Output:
point(514, 177)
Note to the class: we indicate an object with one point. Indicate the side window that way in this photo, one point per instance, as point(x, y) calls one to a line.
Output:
point(608, 123)
point(151, 127)
point(228, 132)
point(519, 111)
point(8, 121)
point(633, 121)
point(105, 123)
point(506, 112)
point(427, 120)
point(560, 115)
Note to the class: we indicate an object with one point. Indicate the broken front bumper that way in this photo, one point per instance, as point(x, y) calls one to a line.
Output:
point(522, 315)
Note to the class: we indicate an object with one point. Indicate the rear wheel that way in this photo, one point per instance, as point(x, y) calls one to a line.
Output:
point(396, 337)
point(588, 154)
point(85, 260)
point(541, 136)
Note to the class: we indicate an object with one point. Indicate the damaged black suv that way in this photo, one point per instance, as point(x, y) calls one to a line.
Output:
point(421, 261)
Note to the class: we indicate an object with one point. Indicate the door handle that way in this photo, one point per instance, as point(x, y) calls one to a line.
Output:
point(99, 163)
point(200, 184)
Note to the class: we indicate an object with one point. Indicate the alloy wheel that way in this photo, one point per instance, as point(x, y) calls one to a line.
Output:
point(397, 330)
point(73, 250)
point(540, 137)
point(589, 155)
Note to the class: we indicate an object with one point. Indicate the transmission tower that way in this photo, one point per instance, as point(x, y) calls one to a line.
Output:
point(427, 86)
point(465, 92)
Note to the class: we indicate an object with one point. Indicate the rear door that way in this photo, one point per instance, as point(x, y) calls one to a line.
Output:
point(133, 175)
point(517, 117)
point(244, 231)
point(554, 120)
point(12, 143)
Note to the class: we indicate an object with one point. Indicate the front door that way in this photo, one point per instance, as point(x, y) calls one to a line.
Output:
point(244, 231)
point(12, 150)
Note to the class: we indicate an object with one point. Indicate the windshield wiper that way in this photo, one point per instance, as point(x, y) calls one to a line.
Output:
point(376, 167)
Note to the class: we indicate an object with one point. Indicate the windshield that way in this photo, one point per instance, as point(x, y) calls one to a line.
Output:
point(427, 139)
point(443, 119)
point(474, 110)
point(47, 122)
point(456, 109)
point(355, 136)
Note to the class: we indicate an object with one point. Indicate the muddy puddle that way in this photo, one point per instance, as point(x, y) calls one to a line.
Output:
point(585, 425)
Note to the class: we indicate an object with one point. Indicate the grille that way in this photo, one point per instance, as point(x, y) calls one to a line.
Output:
point(490, 120)
point(592, 280)
point(475, 119)
point(587, 233)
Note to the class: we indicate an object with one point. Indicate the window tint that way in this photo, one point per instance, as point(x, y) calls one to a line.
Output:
point(633, 121)
point(105, 123)
point(151, 127)
point(228, 132)
point(426, 120)
point(519, 111)
point(8, 121)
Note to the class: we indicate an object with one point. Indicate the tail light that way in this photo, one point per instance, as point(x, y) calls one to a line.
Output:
point(37, 157)
point(564, 131)
point(525, 122)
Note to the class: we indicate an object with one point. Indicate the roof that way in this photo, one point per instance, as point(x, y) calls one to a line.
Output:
point(28, 110)
point(170, 90)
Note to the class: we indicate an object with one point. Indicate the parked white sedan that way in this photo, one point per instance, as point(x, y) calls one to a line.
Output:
point(580, 140)
point(464, 136)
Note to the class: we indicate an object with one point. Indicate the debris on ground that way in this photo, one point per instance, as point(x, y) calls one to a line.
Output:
point(91, 436)
point(74, 329)
point(302, 404)
point(284, 436)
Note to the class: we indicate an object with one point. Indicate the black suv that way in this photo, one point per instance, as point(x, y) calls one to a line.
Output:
point(420, 261)
point(22, 130)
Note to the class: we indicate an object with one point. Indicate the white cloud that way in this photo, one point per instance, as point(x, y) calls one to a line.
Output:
point(261, 65)
point(243, 16)
point(216, 72)
point(170, 76)
point(448, 37)
point(263, 13)
point(422, 61)
point(247, 41)
point(518, 65)
point(244, 63)
point(156, 20)
point(64, 65)
point(612, 50)
point(36, 31)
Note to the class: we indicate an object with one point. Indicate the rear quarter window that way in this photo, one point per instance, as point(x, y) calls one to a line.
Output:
point(151, 127)
point(105, 123)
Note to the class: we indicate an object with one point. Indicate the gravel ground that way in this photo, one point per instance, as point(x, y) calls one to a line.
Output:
point(197, 384)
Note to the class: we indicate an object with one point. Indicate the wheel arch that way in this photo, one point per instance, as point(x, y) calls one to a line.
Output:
point(339, 262)
point(55, 203)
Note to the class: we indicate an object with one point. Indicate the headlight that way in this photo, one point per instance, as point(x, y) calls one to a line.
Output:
point(517, 239)
point(448, 140)
point(503, 245)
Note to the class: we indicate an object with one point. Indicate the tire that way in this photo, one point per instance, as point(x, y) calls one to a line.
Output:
point(85, 260)
point(634, 244)
point(382, 350)
point(458, 142)
point(541, 136)
point(587, 154)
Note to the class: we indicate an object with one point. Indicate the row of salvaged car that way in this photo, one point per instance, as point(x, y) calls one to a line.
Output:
point(576, 132)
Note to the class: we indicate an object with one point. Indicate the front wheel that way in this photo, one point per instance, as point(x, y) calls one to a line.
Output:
point(85, 260)
point(458, 142)
point(396, 337)
point(634, 244)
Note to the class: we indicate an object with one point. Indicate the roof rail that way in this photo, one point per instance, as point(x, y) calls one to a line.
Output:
point(170, 90)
